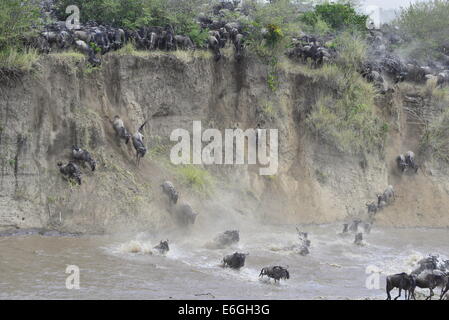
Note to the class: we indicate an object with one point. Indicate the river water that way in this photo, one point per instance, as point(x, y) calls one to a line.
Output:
point(123, 266)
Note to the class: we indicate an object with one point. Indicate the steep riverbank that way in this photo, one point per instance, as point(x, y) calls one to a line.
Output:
point(66, 103)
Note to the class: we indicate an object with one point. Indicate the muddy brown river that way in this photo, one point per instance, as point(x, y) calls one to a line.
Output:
point(124, 266)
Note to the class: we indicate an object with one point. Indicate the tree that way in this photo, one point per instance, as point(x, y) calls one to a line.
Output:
point(17, 19)
point(338, 16)
point(425, 26)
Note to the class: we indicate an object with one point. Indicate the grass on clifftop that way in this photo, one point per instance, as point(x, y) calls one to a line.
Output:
point(183, 55)
point(435, 140)
point(12, 59)
point(200, 180)
point(343, 112)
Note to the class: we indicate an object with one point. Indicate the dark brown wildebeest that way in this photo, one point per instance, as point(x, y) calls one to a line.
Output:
point(402, 281)
point(276, 273)
point(235, 260)
point(169, 189)
point(71, 170)
point(227, 238)
point(162, 247)
point(430, 280)
point(83, 156)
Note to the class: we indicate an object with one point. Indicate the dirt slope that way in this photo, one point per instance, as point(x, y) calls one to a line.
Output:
point(65, 104)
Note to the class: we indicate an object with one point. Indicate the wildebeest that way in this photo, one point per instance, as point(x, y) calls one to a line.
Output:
point(426, 264)
point(183, 213)
point(71, 170)
point(238, 45)
point(304, 242)
point(275, 272)
point(84, 156)
point(372, 207)
point(345, 228)
point(169, 189)
point(162, 247)
point(183, 42)
point(387, 196)
point(355, 225)
point(84, 48)
point(358, 240)
point(410, 160)
point(214, 45)
point(138, 144)
point(430, 280)
point(402, 281)
point(227, 238)
point(120, 129)
point(235, 260)
point(402, 165)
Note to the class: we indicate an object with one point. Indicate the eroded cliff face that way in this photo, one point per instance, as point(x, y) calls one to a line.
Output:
point(64, 104)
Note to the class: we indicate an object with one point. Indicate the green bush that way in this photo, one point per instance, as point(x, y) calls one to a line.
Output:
point(435, 140)
point(425, 26)
point(337, 16)
point(343, 116)
point(17, 17)
point(200, 180)
point(133, 14)
point(351, 48)
point(436, 137)
point(17, 60)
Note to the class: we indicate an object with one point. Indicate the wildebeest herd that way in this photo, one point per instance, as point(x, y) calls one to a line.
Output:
point(94, 40)
point(80, 156)
point(384, 199)
point(430, 274)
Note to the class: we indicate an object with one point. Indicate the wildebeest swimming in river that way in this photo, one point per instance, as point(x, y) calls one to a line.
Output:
point(227, 238)
point(275, 272)
point(304, 242)
point(235, 260)
point(162, 247)
point(402, 281)
point(358, 240)
point(183, 213)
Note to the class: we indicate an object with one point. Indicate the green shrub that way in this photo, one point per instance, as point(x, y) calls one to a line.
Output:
point(337, 16)
point(351, 48)
point(133, 14)
point(436, 137)
point(200, 180)
point(425, 26)
point(17, 60)
point(343, 116)
point(17, 17)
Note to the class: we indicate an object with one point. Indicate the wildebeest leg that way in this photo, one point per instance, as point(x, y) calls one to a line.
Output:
point(431, 294)
point(399, 294)
point(388, 294)
point(443, 291)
